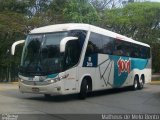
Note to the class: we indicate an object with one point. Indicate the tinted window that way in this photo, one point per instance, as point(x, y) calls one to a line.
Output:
point(118, 49)
point(126, 49)
point(94, 44)
point(135, 51)
point(139, 51)
point(72, 54)
point(148, 52)
point(107, 45)
point(123, 48)
point(74, 48)
point(81, 34)
point(144, 52)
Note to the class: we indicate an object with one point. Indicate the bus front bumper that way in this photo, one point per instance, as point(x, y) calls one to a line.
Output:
point(54, 88)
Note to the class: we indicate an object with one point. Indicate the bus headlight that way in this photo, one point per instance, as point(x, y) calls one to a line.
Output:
point(21, 80)
point(53, 80)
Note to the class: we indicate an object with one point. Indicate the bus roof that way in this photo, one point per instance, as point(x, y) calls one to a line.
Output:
point(81, 26)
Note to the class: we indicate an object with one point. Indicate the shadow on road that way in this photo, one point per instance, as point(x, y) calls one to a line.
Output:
point(73, 97)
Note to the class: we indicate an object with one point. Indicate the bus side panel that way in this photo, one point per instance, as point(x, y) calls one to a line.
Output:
point(110, 71)
point(146, 72)
point(125, 69)
point(142, 67)
point(121, 70)
point(86, 71)
point(148, 75)
point(105, 72)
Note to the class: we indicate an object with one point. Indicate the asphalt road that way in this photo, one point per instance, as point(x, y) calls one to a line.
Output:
point(103, 102)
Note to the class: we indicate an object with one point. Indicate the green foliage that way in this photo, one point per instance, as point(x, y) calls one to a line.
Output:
point(17, 6)
point(12, 27)
point(140, 21)
point(137, 20)
point(80, 11)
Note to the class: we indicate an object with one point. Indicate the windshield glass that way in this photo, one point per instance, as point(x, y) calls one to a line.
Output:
point(41, 54)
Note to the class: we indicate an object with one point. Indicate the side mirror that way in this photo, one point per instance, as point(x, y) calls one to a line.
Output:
point(14, 46)
point(64, 42)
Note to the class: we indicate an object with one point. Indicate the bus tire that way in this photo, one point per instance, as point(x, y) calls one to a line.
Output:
point(47, 96)
point(135, 84)
point(141, 83)
point(83, 89)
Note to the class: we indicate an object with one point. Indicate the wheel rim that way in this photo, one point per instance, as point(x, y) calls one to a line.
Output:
point(141, 83)
point(135, 84)
point(87, 88)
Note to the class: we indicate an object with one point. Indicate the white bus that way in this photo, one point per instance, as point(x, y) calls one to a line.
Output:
point(80, 58)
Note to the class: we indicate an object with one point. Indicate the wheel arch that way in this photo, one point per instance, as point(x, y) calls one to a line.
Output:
point(143, 78)
point(136, 77)
point(89, 81)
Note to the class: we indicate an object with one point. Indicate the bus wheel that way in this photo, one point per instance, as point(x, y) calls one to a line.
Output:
point(141, 83)
point(84, 89)
point(135, 84)
point(47, 96)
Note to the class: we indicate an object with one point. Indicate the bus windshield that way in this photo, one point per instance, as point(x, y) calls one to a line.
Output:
point(41, 54)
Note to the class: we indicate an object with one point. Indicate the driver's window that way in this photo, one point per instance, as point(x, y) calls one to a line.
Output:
point(72, 54)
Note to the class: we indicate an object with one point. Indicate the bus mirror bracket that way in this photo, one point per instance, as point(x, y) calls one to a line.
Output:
point(64, 42)
point(14, 46)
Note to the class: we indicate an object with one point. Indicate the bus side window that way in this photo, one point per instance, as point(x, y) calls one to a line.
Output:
point(118, 51)
point(107, 45)
point(72, 54)
point(135, 52)
point(145, 52)
point(118, 48)
point(94, 44)
point(126, 49)
point(90, 49)
point(81, 34)
point(148, 52)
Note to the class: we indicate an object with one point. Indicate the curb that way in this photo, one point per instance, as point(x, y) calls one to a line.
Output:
point(155, 82)
point(9, 83)
point(14, 82)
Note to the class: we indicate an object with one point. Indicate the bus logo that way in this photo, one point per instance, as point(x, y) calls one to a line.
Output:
point(123, 66)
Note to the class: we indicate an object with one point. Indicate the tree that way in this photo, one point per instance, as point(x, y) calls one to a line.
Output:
point(80, 11)
point(140, 21)
point(12, 27)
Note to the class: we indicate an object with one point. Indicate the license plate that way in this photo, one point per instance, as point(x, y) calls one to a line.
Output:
point(35, 90)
